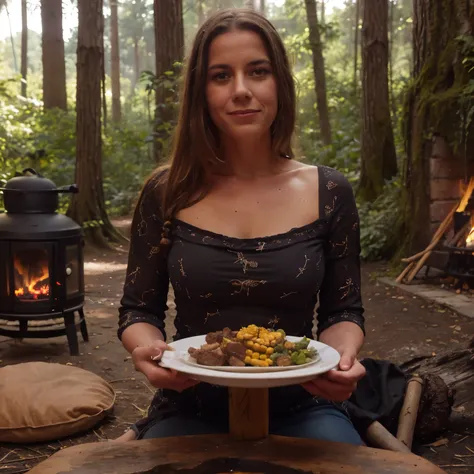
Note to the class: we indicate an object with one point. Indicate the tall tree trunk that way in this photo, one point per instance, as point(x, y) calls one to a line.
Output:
point(379, 159)
point(438, 103)
point(390, 61)
point(88, 206)
point(12, 41)
point(169, 38)
point(24, 47)
point(115, 66)
point(136, 63)
point(200, 12)
point(319, 72)
point(356, 45)
point(54, 67)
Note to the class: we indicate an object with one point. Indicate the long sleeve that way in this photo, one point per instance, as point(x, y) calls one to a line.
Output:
point(146, 284)
point(340, 293)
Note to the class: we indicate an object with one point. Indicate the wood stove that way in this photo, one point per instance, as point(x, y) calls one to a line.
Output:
point(41, 263)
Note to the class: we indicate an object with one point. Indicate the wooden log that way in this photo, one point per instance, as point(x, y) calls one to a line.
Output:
point(409, 411)
point(380, 437)
point(467, 194)
point(248, 413)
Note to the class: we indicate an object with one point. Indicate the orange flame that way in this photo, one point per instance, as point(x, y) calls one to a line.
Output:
point(35, 284)
point(470, 238)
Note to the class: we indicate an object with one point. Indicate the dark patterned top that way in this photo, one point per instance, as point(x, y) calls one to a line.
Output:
point(271, 281)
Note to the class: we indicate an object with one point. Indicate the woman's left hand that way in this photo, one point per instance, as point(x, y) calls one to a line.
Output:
point(338, 385)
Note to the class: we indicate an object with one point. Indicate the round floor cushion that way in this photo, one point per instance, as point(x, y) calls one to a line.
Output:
point(42, 401)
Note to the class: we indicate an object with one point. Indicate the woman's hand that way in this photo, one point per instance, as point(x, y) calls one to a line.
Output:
point(145, 360)
point(338, 385)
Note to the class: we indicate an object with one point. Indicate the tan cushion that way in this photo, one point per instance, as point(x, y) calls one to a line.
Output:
point(40, 401)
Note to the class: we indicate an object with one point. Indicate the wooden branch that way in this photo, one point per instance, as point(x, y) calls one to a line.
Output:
point(424, 254)
point(380, 437)
point(404, 272)
point(409, 412)
point(442, 229)
point(465, 228)
point(466, 195)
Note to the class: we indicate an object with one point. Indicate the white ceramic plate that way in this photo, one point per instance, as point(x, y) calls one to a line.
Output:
point(248, 377)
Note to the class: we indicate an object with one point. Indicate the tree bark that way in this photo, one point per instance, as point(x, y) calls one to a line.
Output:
point(319, 72)
point(88, 206)
point(24, 47)
point(115, 63)
point(379, 159)
point(356, 45)
point(169, 40)
point(54, 68)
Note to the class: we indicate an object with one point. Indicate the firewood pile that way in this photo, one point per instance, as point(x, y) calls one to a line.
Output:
point(444, 231)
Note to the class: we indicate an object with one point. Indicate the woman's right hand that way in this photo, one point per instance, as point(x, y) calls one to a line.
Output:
point(146, 360)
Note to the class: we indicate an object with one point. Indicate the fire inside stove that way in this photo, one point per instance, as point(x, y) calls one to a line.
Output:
point(31, 269)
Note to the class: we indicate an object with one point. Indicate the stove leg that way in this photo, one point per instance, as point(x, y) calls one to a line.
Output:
point(71, 333)
point(85, 334)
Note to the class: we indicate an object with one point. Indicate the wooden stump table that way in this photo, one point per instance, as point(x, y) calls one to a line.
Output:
point(219, 454)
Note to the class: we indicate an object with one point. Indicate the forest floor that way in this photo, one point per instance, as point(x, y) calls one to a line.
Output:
point(399, 327)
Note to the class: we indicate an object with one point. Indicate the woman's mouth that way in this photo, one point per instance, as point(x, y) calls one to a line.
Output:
point(244, 112)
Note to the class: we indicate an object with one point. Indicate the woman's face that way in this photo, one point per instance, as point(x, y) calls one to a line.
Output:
point(241, 88)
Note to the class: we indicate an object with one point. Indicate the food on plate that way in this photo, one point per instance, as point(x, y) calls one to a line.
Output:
point(253, 346)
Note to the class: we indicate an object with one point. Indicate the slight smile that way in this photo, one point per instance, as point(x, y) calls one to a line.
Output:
point(244, 112)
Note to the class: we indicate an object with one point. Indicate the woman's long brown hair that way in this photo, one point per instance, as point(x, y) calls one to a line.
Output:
point(196, 140)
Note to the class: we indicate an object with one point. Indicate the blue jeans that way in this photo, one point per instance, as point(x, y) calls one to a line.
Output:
point(323, 422)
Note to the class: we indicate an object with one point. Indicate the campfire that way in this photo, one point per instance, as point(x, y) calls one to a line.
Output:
point(31, 276)
point(456, 233)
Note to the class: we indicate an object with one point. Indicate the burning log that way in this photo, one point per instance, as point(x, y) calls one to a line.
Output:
point(416, 262)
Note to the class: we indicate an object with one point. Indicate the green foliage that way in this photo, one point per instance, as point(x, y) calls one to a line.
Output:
point(46, 141)
point(378, 223)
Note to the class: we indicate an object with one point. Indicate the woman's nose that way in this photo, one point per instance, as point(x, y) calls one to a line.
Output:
point(241, 87)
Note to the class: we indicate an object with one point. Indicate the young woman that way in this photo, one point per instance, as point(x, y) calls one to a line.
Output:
point(246, 235)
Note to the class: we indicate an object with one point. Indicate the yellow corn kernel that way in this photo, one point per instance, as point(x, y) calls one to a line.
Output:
point(249, 344)
point(255, 355)
point(248, 360)
point(270, 350)
point(263, 356)
point(269, 362)
point(248, 352)
point(256, 346)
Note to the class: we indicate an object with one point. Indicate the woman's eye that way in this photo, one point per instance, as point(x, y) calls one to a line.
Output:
point(220, 76)
point(260, 72)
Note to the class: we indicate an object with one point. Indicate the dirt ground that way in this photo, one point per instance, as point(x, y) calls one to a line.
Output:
point(399, 327)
